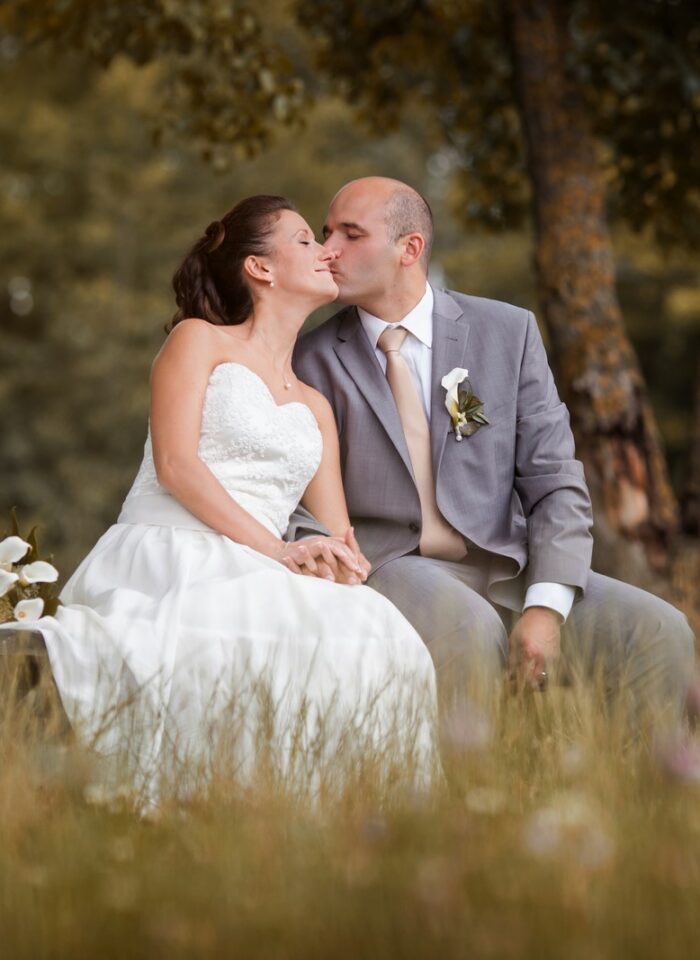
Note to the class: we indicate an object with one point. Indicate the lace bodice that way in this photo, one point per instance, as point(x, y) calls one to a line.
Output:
point(264, 453)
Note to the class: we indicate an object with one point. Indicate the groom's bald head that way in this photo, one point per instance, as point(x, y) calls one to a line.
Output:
point(404, 209)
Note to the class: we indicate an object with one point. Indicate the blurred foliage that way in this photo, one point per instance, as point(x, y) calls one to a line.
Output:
point(232, 74)
point(94, 217)
point(222, 84)
point(638, 64)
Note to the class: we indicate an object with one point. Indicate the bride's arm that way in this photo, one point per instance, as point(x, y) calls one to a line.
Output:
point(324, 497)
point(179, 378)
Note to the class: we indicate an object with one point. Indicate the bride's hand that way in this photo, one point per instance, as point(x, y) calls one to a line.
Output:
point(327, 557)
point(328, 565)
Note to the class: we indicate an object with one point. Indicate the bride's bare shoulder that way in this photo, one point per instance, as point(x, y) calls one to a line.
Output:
point(193, 338)
point(193, 323)
point(192, 330)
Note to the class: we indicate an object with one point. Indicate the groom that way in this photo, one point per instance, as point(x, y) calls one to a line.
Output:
point(482, 541)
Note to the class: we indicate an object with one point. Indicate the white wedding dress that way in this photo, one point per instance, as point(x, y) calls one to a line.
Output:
point(193, 628)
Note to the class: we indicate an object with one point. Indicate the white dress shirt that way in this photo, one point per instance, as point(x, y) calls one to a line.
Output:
point(417, 352)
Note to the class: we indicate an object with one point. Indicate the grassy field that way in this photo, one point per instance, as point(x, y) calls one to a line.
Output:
point(563, 834)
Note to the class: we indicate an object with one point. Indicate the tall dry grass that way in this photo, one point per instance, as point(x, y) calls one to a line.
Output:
point(564, 831)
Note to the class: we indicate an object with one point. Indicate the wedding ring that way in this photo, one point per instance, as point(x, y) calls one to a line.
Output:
point(541, 680)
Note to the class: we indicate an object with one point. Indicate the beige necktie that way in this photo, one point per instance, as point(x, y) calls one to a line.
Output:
point(438, 538)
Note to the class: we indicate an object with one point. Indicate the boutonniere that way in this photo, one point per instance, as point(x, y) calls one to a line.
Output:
point(464, 407)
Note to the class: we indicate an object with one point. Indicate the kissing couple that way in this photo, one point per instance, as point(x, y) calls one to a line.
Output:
point(378, 518)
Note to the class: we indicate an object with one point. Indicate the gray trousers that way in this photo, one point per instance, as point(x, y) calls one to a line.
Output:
point(635, 641)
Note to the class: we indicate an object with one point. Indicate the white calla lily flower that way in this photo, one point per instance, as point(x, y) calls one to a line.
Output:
point(7, 581)
point(451, 382)
point(29, 609)
point(12, 549)
point(38, 572)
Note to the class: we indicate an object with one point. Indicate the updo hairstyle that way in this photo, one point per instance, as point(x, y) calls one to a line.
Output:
point(210, 282)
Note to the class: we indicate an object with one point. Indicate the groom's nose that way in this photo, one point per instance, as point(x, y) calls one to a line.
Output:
point(329, 251)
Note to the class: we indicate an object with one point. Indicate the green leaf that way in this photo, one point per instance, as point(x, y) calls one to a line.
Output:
point(471, 407)
point(14, 595)
point(51, 606)
point(32, 541)
point(464, 387)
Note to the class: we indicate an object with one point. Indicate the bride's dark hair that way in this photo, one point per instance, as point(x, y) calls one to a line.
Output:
point(209, 283)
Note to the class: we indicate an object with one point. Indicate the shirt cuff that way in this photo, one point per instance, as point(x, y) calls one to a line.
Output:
point(556, 596)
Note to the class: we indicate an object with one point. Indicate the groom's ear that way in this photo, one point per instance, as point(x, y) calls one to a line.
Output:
point(413, 247)
point(257, 269)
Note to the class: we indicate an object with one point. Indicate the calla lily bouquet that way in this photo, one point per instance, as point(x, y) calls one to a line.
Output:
point(26, 582)
point(464, 407)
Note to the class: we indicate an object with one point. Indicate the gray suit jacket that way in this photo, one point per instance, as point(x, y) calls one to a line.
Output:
point(514, 488)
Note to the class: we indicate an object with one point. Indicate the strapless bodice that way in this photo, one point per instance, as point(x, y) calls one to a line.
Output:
point(262, 452)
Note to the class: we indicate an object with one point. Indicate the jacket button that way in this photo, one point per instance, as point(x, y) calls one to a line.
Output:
point(413, 527)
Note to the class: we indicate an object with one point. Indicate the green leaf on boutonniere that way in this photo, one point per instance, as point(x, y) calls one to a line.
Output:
point(469, 415)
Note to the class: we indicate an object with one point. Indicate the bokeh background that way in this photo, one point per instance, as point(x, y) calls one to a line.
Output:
point(126, 128)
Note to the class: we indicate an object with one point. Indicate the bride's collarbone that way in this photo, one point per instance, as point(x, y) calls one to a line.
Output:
point(273, 381)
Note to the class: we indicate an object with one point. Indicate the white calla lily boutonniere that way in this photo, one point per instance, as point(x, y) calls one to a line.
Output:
point(464, 407)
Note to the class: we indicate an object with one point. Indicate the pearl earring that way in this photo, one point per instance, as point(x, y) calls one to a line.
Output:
point(272, 283)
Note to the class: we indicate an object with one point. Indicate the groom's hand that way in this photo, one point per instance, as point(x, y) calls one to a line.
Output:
point(535, 644)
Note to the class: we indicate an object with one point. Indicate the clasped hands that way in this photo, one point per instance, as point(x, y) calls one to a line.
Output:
point(338, 559)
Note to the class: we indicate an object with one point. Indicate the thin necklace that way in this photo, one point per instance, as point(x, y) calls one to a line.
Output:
point(287, 382)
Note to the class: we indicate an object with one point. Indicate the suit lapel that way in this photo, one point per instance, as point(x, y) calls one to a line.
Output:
point(450, 335)
point(357, 356)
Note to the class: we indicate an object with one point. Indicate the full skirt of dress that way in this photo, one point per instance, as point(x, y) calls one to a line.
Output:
point(186, 648)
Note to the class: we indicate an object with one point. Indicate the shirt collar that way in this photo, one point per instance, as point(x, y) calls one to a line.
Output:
point(418, 321)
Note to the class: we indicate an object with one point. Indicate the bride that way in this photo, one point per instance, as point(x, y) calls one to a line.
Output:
point(192, 603)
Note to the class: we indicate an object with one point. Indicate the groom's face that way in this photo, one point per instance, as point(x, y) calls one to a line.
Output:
point(366, 261)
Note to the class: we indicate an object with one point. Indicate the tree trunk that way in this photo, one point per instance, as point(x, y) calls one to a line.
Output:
point(636, 512)
point(691, 505)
